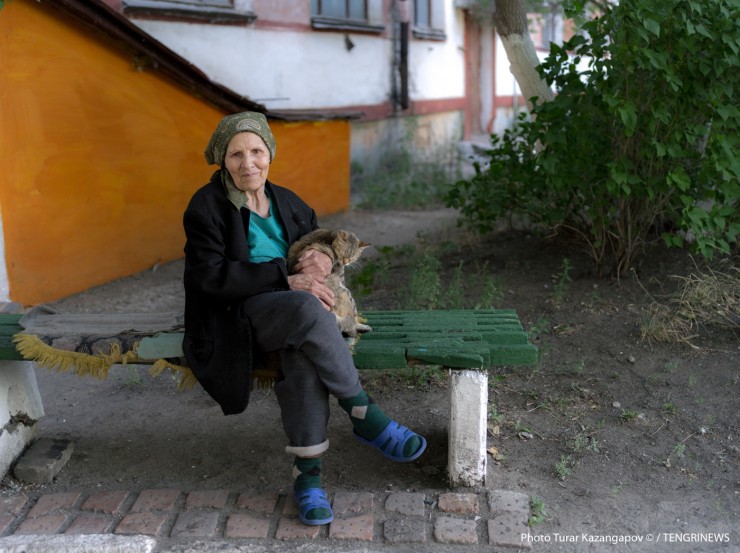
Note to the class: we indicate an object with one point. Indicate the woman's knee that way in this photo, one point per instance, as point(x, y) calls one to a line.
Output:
point(307, 308)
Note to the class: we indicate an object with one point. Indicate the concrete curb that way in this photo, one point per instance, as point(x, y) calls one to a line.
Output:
point(225, 547)
point(96, 543)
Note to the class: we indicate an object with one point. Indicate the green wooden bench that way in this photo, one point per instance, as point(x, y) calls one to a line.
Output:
point(463, 342)
point(460, 339)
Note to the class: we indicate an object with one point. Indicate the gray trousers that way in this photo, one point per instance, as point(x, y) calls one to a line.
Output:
point(315, 362)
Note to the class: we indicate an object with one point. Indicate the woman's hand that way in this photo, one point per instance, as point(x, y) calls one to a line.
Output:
point(313, 285)
point(312, 269)
point(315, 263)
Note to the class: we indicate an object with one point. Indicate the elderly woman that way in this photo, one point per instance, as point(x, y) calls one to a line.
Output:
point(240, 301)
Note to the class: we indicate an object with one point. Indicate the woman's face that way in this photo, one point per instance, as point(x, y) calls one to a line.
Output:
point(247, 161)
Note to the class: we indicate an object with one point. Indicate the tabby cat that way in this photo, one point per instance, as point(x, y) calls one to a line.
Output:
point(344, 248)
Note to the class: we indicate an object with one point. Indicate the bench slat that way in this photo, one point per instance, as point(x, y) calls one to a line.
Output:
point(380, 356)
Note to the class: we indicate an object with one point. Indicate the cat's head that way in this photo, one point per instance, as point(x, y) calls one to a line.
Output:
point(348, 247)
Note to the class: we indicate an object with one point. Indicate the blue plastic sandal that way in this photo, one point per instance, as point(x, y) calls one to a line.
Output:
point(396, 435)
point(309, 499)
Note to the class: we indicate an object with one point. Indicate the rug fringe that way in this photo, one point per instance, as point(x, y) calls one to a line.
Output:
point(187, 378)
point(32, 348)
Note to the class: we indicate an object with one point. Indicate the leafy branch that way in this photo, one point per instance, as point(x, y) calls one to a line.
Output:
point(641, 141)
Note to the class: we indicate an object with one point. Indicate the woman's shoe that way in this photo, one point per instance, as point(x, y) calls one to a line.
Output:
point(309, 499)
point(392, 440)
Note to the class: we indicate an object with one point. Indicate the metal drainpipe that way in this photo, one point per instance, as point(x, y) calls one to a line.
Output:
point(404, 16)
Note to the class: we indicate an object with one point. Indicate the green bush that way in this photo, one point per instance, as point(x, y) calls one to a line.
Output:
point(643, 136)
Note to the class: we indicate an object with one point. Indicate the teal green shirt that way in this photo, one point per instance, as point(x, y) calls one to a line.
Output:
point(266, 238)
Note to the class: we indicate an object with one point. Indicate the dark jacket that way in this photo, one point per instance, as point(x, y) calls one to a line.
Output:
point(219, 276)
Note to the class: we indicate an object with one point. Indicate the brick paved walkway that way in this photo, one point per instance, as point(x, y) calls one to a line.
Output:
point(494, 517)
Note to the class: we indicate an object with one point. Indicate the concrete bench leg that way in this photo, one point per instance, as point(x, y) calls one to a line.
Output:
point(466, 461)
point(20, 410)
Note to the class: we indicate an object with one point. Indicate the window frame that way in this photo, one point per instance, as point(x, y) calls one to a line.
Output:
point(432, 30)
point(204, 11)
point(322, 22)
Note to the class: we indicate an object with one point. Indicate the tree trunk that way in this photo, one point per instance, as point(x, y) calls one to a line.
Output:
point(512, 26)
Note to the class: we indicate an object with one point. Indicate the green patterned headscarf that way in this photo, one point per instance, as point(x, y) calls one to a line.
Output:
point(231, 125)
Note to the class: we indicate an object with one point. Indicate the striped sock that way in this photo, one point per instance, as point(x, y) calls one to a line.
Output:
point(307, 473)
point(369, 420)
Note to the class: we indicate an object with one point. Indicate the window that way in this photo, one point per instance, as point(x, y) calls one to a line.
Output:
point(422, 13)
point(429, 19)
point(208, 11)
point(344, 15)
point(343, 9)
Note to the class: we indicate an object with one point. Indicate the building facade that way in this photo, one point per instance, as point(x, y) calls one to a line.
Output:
point(417, 76)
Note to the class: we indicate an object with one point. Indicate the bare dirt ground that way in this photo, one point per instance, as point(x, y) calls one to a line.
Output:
point(610, 434)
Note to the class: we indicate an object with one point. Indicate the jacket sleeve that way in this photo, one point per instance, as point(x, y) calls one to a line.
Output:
point(213, 265)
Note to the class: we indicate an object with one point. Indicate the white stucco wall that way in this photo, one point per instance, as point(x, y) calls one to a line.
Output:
point(505, 82)
point(283, 69)
point(298, 69)
point(486, 78)
point(506, 86)
point(437, 68)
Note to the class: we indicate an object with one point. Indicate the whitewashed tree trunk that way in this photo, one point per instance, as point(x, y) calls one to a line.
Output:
point(512, 26)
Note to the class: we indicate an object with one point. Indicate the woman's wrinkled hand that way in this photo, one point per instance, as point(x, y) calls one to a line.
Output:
point(313, 285)
point(314, 263)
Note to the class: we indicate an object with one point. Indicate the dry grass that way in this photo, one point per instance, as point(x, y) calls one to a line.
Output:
point(704, 299)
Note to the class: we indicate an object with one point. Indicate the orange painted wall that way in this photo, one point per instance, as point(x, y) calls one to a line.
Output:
point(99, 160)
point(313, 159)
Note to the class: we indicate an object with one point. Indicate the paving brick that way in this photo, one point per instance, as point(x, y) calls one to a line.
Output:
point(460, 503)
point(12, 505)
point(503, 500)
point(290, 508)
point(294, 529)
point(405, 531)
point(155, 500)
point(241, 525)
point(89, 524)
point(5, 522)
point(506, 529)
point(49, 503)
point(455, 530)
point(148, 524)
point(358, 527)
point(347, 504)
point(195, 524)
point(46, 524)
point(261, 503)
point(410, 504)
point(109, 502)
point(207, 499)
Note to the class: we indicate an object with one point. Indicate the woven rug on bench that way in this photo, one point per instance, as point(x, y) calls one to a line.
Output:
point(89, 344)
